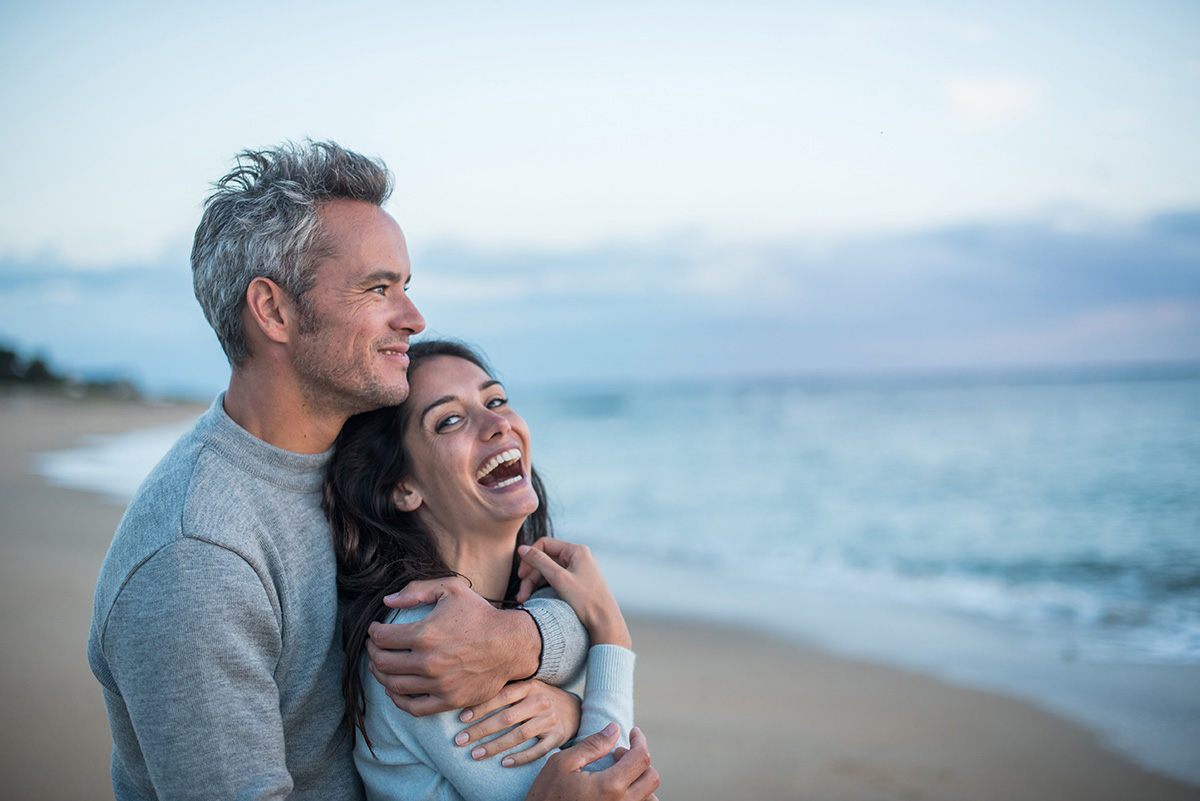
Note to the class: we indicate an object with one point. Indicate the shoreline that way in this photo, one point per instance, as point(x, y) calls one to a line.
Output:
point(730, 712)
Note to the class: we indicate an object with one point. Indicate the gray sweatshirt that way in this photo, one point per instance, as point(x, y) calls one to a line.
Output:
point(216, 631)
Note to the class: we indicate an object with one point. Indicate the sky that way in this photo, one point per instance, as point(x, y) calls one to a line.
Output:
point(633, 190)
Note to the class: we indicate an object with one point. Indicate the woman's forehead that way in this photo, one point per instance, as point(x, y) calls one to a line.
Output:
point(445, 375)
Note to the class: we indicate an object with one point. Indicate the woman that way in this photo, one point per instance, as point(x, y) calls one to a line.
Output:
point(440, 486)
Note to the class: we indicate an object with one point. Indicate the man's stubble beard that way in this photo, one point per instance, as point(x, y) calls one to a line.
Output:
point(331, 385)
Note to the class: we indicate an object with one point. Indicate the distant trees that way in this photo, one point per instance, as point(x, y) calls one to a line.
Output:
point(16, 368)
point(35, 373)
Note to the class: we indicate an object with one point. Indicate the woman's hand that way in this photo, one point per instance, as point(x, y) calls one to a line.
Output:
point(573, 573)
point(535, 709)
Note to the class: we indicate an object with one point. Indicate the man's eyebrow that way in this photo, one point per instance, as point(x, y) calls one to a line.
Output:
point(384, 277)
point(448, 398)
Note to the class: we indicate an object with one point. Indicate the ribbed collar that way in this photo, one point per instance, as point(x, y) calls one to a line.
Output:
point(297, 472)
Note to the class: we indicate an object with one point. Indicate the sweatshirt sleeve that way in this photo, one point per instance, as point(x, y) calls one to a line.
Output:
point(191, 643)
point(609, 695)
point(564, 639)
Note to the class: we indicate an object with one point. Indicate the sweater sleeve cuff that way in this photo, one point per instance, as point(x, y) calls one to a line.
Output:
point(564, 640)
point(610, 667)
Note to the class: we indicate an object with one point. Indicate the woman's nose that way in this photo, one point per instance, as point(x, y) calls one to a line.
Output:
point(495, 424)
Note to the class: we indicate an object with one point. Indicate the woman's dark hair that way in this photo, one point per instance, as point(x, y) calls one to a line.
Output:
point(379, 548)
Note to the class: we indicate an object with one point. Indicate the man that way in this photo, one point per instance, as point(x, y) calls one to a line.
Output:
point(215, 631)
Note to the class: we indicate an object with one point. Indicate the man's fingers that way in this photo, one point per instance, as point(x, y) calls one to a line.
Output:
point(419, 705)
point(426, 591)
point(398, 684)
point(394, 637)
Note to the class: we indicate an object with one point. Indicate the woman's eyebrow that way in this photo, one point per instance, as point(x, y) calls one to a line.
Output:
point(448, 398)
point(435, 404)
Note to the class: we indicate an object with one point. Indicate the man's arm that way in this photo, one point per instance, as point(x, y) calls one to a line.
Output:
point(465, 650)
point(191, 643)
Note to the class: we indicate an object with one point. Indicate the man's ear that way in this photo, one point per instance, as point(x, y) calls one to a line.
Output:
point(406, 497)
point(271, 308)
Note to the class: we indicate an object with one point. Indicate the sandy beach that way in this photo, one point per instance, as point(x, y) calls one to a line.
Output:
point(729, 714)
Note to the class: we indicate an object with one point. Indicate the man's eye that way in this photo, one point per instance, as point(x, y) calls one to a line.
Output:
point(447, 421)
point(380, 290)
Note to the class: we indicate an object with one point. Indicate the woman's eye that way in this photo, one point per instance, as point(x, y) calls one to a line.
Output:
point(447, 421)
point(496, 403)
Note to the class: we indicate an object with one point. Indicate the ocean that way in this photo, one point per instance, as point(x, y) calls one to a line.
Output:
point(1036, 535)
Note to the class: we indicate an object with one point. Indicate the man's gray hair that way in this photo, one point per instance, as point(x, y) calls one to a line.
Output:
point(262, 220)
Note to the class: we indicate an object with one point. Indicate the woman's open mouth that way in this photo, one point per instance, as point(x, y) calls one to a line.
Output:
point(502, 470)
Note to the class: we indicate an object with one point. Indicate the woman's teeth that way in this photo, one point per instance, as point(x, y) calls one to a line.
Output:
point(508, 481)
point(510, 455)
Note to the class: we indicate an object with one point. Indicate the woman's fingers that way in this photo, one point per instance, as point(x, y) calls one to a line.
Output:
point(531, 582)
point(539, 561)
point(523, 711)
point(489, 726)
point(530, 754)
point(562, 552)
point(510, 694)
point(508, 740)
point(573, 572)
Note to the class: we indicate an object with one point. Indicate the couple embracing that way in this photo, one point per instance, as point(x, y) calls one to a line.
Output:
point(334, 585)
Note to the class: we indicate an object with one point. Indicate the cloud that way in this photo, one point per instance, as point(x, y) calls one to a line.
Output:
point(970, 296)
point(993, 102)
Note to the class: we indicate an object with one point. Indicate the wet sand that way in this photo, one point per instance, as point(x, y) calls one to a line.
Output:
point(729, 714)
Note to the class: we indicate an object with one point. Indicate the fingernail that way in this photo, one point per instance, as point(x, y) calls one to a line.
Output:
point(478, 753)
point(524, 549)
point(508, 762)
point(609, 730)
point(391, 597)
point(466, 716)
point(461, 738)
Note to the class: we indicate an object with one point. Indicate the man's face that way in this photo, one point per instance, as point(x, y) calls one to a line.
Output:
point(355, 321)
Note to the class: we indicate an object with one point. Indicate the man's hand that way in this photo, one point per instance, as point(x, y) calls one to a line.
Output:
point(461, 654)
point(632, 778)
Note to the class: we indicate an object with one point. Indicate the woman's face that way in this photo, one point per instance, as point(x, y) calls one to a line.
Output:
point(469, 451)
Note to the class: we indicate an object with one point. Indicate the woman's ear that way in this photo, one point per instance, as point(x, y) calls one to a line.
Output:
point(406, 498)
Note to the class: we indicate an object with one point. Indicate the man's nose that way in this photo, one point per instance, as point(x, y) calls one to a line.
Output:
point(406, 317)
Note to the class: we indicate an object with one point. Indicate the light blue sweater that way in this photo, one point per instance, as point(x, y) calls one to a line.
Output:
point(416, 759)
